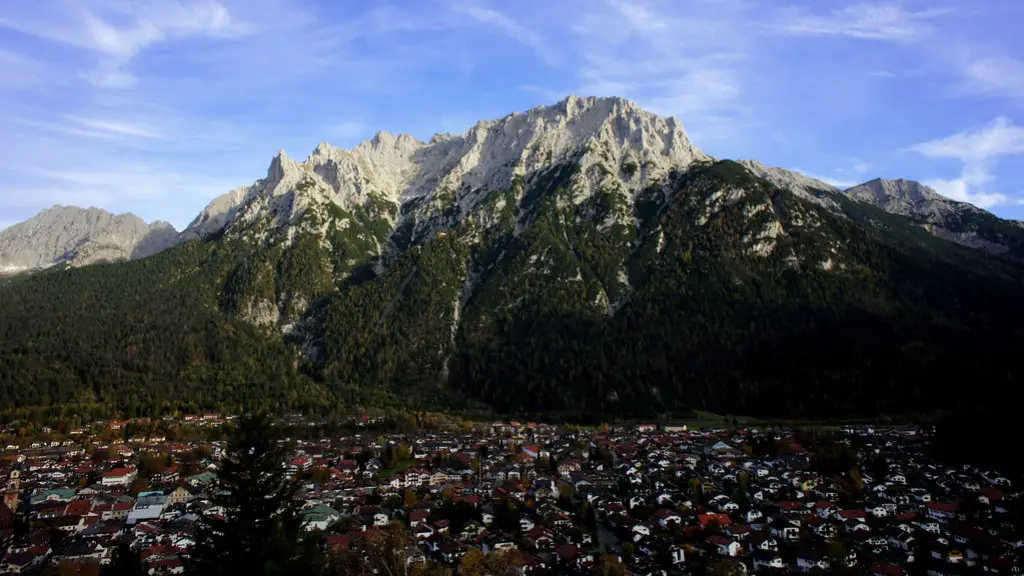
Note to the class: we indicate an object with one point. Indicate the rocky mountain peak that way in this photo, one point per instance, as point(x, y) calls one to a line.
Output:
point(955, 221)
point(80, 236)
point(282, 167)
point(611, 132)
point(901, 195)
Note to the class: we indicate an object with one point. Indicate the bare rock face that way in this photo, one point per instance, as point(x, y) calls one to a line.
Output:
point(904, 197)
point(408, 191)
point(618, 146)
point(77, 236)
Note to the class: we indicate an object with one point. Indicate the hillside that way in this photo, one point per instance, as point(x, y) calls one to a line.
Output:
point(583, 258)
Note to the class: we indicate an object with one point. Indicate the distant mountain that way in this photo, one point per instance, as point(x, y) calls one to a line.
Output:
point(77, 236)
point(948, 219)
point(958, 222)
point(583, 258)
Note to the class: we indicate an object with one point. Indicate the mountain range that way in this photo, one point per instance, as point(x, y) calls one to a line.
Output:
point(583, 257)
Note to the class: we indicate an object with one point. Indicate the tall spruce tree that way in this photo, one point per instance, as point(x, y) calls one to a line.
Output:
point(258, 529)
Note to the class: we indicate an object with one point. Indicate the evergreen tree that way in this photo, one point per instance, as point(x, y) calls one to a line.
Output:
point(257, 532)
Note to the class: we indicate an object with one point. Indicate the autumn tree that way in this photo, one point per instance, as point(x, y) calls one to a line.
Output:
point(410, 499)
point(610, 565)
point(727, 567)
point(380, 552)
point(472, 564)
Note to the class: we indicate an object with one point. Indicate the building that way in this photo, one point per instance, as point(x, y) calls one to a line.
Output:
point(119, 477)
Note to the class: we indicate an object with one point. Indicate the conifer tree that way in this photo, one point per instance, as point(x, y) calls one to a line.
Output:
point(258, 529)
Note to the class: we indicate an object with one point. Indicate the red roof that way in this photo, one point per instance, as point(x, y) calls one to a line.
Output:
point(118, 473)
point(721, 519)
point(77, 508)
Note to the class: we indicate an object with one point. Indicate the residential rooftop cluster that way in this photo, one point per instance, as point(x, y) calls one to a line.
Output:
point(642, 499)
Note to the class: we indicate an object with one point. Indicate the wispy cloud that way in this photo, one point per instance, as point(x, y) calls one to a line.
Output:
point(18, 71)
point(1001, 137)
point(686, 63)
point(837, 182)
point(977, 150)
point(993, 76)
point(118, 31)
point(209, 89)
point(114, 186)
point(883, 22)
point(511, 28)
point(117, 128)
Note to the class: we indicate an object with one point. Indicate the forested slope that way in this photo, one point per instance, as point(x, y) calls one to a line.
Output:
point(712, 289)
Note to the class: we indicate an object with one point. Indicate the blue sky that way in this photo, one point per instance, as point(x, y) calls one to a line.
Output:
point(157, 106)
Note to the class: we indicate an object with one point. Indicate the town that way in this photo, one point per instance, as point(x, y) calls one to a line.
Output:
point(528, 499)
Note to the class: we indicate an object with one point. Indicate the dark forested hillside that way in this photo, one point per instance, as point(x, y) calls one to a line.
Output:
point(141, 336)
point(712, 290)
point(901, 322)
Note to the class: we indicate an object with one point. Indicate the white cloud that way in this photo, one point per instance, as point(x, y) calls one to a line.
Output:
point(998, 138)
point(998, 76)
point(118, 128)
point(119, 31)
point(688, 63)
point(837, 182)
point(978, 150)
point(511, 28)
point(882, 22)
point(962, 190)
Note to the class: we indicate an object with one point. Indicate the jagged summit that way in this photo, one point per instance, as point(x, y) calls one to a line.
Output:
point(490, 155)
point(415, 189)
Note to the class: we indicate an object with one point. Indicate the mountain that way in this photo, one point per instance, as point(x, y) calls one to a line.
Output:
point(583, 258)
point(76, 236)
point(958, 222)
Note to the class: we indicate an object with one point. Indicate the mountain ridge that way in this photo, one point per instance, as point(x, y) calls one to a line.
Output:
point(398, 168)
point(584, 257)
